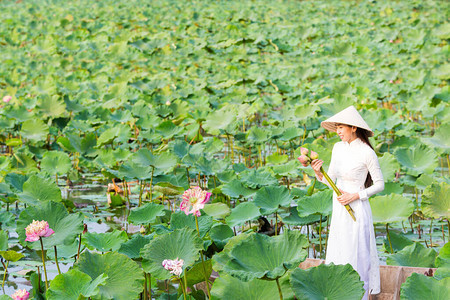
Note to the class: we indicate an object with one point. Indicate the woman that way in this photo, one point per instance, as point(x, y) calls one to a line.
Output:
point(355, 168)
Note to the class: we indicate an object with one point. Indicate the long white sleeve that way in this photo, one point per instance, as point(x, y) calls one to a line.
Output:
point(374, 169)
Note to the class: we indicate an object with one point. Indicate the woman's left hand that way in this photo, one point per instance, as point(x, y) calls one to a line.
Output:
point(347, 198)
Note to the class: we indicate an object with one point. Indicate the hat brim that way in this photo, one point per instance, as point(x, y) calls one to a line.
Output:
point(348, 116)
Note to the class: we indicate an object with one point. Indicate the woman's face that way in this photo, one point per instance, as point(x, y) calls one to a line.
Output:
point(346, 133)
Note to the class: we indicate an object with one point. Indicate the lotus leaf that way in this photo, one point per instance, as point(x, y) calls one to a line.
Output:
point(35, 130)
point(440, 140)
point(11, 255)
point(443, 262)
point(124, 277)
point(390, 208)
point(271, 198)
point(327, 282)
point(222, 119)
point(318, 203)
point(180, 220)
point(131, 170)
point(245, 211)
point(417, 159)
point(51, 106)
point(217, 210)
point(257, 135)
point(181, 243)
point(288, 169)
point(261, 256)
point(415, 255)
point(258, 178)
point(418, 286)
point(37, 190)
point(66, 226)
point(236, 189)
point(146, 214)
point(221, 234)
point(397, 240)
point(56, 163)
point(436, 200)
point(220, 259)
point(227, 287)
point(294, 219)
point(108, 241)
point(72, 284)
point(3, 240)
point(133, 246)
point(196, 274)
point(389, 166)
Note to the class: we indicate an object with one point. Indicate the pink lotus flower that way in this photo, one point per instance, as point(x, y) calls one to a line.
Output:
point(195, 198)
point(174, 266)
point(37, 229)
point(304, 160)
point(6, 99)
point(20, 295)
point(304, 151)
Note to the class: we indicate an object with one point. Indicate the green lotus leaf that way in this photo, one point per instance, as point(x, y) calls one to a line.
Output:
point(318, 203)
point(423, 181)
point(168, 129)
point(291, 133)
point(210, 167)
point(398, 241)
point(221, 234)
point(415, 255)
point(261, 256)
point(288, 169)
point(133, 246)
point(436, 200)
point(236, 189)
point(242, 213)
point(104, 242)
point(164, 161)
point(217, 210)
point(227, 287)
point(72, 284)
point(51, 106)
point(37, 190)
point(134, 171)
point(389, 166)
point(418, 286)
point(3, 240)
point(35, 130)
point(219, 120)
point(271, 198)
point(257, 135)
point(56, 163)
point(220, 259)
point(440, 140)
point(391, 208)
point(181, 243)
point(327, 282)
point(66, 251)
point(168, 189)
point(391, 188)
point(66, 226)
point(294, 219)
point(108, 136)
point(11, 255)
point(442, 262)
point(258, 178)
point(146, 214)
point(180, 220)
point(196, 274)
point(417, 159)
point(5, 297)
point(124, 280)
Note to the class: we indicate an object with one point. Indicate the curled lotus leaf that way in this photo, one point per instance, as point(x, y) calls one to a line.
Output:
point(261, 256)
point(327, 282)
point(318, 203)
point(415, 255)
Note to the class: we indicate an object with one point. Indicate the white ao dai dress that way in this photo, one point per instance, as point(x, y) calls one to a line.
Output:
point(349, 241)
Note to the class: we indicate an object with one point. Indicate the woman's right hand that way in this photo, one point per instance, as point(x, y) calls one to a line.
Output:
point(316, 164)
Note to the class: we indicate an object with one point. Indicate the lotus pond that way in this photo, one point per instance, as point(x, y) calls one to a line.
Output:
point(113, 109)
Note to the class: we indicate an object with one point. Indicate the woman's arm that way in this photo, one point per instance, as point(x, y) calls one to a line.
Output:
point(374, 169)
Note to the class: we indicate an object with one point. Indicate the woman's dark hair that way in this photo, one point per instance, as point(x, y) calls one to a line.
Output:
point(363, 135)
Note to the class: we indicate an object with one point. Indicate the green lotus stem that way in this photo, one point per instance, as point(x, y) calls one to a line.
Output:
point(145, 286)
point(151, 184)
point(320, 235)
point(183, 288)
point(150, 285)
point(56, 260)
point(4, 275)
point(43, 262)
point(448, 164)
point(431, 231)
point(141, 190)
point(260, 156)
point(185, 281)
point(389, 237)
point(279, 289)
point(338, 192)
point(79, 247)
point(203, 261)
point(276, 223)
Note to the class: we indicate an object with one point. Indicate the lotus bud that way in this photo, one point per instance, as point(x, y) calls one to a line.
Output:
point(314, 155)
point(303, 151)
point(6, 99)
point(304, 160)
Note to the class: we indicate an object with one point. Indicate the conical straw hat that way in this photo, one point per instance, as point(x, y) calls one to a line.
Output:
point(348, 116)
